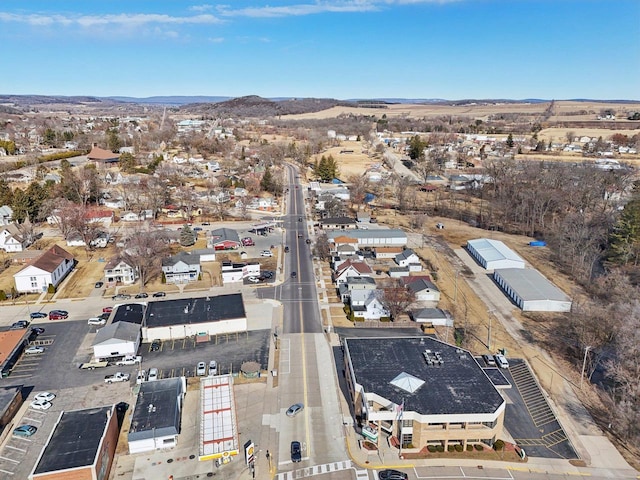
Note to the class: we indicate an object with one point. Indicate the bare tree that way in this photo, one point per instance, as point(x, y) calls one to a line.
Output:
point(396, 298)
point(322, 249)
point(358, 188)
point(144, 251)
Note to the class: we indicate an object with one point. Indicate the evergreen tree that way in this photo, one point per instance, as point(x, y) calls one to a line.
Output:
point(187, 236)
point(127, 162)
point(416, 148)
point(510, 141)
point(624, 241)
point(6, 194)
point(267, 181)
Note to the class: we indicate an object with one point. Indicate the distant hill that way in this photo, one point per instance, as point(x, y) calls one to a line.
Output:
point(173, 100)
point(255, 106)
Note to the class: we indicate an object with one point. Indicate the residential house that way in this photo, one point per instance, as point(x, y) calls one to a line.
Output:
point(136, 216)
point(433, 316)
point(13, 239)
point(355, 283)
point(50, 268)
point(408, 258)
point(351, 268)
point(223, 239)
point(423, 288)
point(366, 304)
point(182, 267)
point(118, 272)
point(387, 252)
point(6, 215)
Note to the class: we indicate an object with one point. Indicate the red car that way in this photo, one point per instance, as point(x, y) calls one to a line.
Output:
point(58, 315)
point(107, 310)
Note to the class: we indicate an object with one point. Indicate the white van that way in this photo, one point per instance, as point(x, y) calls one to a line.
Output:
point(501, 360)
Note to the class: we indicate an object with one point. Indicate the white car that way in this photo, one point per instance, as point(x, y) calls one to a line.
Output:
point(96, 321)
point(253, 279)
point(142, 377)
point(44, 397)
point(266, 253)
point(213, 368)
point(40, 405)
point(33, 349)
point(153, 374)
point(201, 369)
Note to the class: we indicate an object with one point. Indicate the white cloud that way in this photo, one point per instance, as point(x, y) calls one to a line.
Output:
point(122, 20)
point(201, 8)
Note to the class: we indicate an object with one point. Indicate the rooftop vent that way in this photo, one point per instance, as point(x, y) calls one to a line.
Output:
point(432, 358)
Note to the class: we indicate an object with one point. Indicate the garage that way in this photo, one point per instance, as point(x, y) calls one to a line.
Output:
point(492, 254)
point(531, 291)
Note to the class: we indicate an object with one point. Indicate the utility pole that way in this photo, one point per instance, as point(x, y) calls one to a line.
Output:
point(489, 335)
point(584, 363)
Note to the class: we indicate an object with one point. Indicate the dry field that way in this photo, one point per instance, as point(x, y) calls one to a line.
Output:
point(355, 163)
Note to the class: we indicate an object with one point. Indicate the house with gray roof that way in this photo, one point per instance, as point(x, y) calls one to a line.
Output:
point(118, 339)
point(183, 267)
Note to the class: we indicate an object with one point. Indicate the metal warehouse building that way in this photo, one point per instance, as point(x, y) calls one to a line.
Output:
point(492, 254)
point(531, 291)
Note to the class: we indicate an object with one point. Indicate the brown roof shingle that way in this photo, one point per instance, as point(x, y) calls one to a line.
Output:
point(50, 259)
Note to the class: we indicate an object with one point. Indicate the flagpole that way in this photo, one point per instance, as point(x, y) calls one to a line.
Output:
point(400, 428)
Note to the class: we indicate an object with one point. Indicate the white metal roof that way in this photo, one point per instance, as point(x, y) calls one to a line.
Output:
point(218, 427)
point(494, 250)
point(531, 285)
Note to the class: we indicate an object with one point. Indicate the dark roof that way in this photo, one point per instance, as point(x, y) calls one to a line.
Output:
point(186, 257)
point(422, 285)
point(52, 258)
point(496, 376)
point(405, 254)
point(194, 310)
point(224, 234)
point(157, 410)
point(7, 394)
point(457, 386)
point(430, 313)
point(338, 221)
point(75, 440)
point(129, 312)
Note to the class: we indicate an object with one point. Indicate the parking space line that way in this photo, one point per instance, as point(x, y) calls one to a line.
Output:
point(10, 459)
point(7, 471)
point(32, 419)
point(16, 448)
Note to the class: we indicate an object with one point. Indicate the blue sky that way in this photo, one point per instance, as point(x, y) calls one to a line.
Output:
point(452, 49)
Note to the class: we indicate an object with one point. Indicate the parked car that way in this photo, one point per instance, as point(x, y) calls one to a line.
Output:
point(99, 284)
point(35, 315)
point(58, 315)
point(206, 224)
point(213, 368)
point(37, 330)
point(40, 405)
point(142, 295)
point(96, 321)
point(153, 374)
point(267, 274)
point(19, 325)
point(159, 294)
point(296, 453)
point(33, 349)
point(253, 279)
point(201, 369)
point(488, 359)
point(266, 253)
point(24, 431)
point(390, 474)
point(141, 377)
point(121, 296)
point(44, 396)
point(501, 360)
point(295, 409)
point(155, 345)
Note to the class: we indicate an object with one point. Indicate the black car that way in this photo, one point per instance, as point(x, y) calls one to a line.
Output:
point(155, 345)
point(296, 454)
point(392, 475)
point(121, 296)
point(37, 330)
point(308, 240)
point(159, 294)
point(19, 325)
point(294, 274)
point(142, 295)
point(286, 249)
point(267, 274)
point(99, 284)
point(34, 315)
point(299, 219)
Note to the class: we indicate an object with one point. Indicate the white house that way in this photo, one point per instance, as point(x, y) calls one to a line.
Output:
point(423, 288)
point(408, 258)
point(117, 271)
point(136, 216)
point(12, 239)
point(118, 339)
point(351, 268)
point(366, 304)
point(182, 267)
point(6, 215)
point(49, 268)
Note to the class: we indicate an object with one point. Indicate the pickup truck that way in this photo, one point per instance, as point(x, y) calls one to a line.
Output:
point(117, 377)
point(129, 361)
point(94, 364)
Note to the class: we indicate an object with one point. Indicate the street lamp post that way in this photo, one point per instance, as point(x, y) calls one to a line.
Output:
point(584, 364)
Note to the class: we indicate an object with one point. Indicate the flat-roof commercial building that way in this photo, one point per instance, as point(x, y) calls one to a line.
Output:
point(422, 391)
point(81, 446)
point(12, 343)
point(155, 423)
point(180, 318)
point(492, 254)
point(531, 291)
point(366, 238)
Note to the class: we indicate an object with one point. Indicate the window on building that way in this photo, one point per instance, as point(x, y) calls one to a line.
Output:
point(407, 440)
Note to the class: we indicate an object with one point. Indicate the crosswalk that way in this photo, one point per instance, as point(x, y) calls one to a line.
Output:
point(320, 469)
